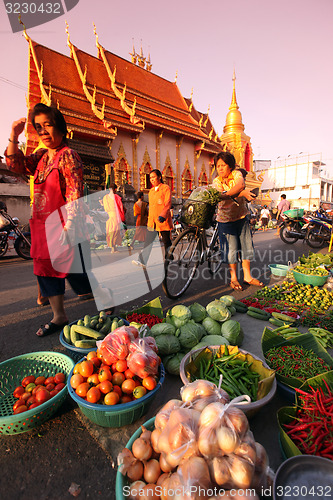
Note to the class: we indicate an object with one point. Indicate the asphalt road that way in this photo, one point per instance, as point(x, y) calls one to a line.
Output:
point(43, 463)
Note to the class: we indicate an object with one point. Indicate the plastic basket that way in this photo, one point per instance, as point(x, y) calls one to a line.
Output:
point(294, 212)
point(120, 414)
point(12, 372)
point(121, 480)
point(278, 269)
point(77, 353)
point(306, 279)
point(197, 213)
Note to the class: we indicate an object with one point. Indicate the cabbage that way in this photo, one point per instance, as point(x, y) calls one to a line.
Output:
point(211, 340)
point(190, 334)
point(218, 311)
point(228, 300)
point(211, 326)
point(172, 363)
point(180, 315)
point(198, 312)
point(161, 328)
point(167, 344)
point(233, 332)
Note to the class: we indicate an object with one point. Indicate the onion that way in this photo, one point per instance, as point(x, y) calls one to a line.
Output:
point(154, 439)
point(149, 492)
point(164, 464)
point(141, 449)
point(236, 418)
point(211, 414)
point(162, 478)
point(162, 416)
point(135, 488)
point(164, 486)
point(145, 434)
point(227, 440)
point(195, 472)
point(219, 470)
point(152, 471)
point(247, 448)
point(135, 471)
point(180, 416)
point(125, 460)
point(241, 472)
point(261, 457)
point(207, 442)
point(163, 442)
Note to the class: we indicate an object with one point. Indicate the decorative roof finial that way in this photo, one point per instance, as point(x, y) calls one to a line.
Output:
point(191, 105)
point(148, 62)
point(133, 54)
point(24, 30)
point(67, 31)
point(176, 76)
point(95, 33)
point(206, 121)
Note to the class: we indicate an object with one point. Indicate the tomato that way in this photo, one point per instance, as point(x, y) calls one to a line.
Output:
point(59, 378)
point(34, 405)
point(20, 409)
point(137, 383)
point(25, 396)
point(49, 380)
point(149, 383)
point(91, 355)
point(76, 380)
point(93, 379)
point(50, 387)
point(104, 374)
point(139, 392)
point(111, 398)
point(93, 395)
point(40, 380)
point(86, 368)
point(117, 389)
point(30, 387)
point(19, 402)
point(105, 386)
point(82, 389)
point(18, 391)
point(42, 395)
point(60, 386)
point(28, 380)
point(128, 386)
point(96, 361)
point(121, 365)
point(128, 373)
point(118, 378)
point(53, 393)
point(125, 399)
point(113, 367)
point(30, 401)
point(76, 368)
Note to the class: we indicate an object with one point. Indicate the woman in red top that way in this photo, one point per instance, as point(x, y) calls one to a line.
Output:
point(58, 180)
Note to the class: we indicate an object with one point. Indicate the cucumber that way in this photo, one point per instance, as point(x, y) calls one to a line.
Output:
point(87, 332)
point(256, 315)
point(120, 323)
point(106, 327)
point(284, 317)
point(67, 334)
point(102, 316)
point(80, 322)
point(114, 324)
point(276, 322)
point(93, 323)
point(74, 335)
point(85, 344)
point(238, 303)
point(240, 309)
point(265, 314)
point(86, 320)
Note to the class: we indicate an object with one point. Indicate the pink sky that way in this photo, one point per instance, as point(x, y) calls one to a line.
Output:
point(281, 52)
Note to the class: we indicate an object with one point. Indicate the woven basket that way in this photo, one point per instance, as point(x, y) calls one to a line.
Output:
point(197, 213)
point(12, 372)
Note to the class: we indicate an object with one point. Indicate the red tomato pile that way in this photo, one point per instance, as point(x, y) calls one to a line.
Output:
point(35, 390)
point(123, 369)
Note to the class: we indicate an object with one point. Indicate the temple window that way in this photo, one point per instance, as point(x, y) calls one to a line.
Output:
point(187, 181)
point(203, 179)
point(121, 171)
point(168, 175)
point(144, 177)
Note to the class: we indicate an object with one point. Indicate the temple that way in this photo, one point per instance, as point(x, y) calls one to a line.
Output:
point(124, 120)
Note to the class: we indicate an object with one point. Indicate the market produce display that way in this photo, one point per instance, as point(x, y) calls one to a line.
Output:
point(197, 444)
point(314, 271)
point(143, 319)
point(313, 260)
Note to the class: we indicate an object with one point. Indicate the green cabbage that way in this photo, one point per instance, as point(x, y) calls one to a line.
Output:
point(190, 334)
point(228, 300)
point(167, 344)
point(161, 328)
point(172, 363)
point(211, 340)
point(211, 326)
point(198, 312)
point(232, 310)
point(233, 332)
point(179, 315)
point(218, 311)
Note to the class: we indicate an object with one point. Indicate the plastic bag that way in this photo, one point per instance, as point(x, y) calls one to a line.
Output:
point(201, 393)
point(162, 417)
point(143, 361)
point(115, 345)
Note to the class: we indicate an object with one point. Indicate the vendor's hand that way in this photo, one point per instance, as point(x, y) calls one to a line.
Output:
point(67, 236)
point(161, 219)
point(247, 194)
point(18, 127)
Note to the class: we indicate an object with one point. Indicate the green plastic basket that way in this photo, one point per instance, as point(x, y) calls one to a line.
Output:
point(278, 269)
point(120, 414)
point(121, 480)
point(12, 372)
point(306, 279)
point(294, 212)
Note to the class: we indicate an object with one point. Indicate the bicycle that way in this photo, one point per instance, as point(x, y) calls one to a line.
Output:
point(189, 250)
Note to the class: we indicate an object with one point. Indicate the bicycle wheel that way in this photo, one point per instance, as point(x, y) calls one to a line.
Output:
point(181, 263)
point(214, 256)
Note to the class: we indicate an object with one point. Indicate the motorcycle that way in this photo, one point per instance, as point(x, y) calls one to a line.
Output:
point(9, 230)
point(318, 229)
point(178, 225)
point(292, 229)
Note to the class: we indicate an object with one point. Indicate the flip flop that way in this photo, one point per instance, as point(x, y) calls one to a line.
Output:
point(42, 304)
point(236, 286)
point(50, 328)
point(253, 282)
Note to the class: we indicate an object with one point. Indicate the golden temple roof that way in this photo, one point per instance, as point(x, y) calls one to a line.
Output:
point(234, 117)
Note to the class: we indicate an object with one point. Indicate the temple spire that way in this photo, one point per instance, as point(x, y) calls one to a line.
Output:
point(234, 117)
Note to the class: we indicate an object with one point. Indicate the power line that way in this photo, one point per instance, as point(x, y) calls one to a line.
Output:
point(13, 84)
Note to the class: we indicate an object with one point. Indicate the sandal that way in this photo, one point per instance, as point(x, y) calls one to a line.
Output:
point(236, 286)
point(253, 282)
point(42, 304)
point(50, 328)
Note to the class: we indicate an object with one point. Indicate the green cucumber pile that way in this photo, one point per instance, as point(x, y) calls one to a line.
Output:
point(89, 329)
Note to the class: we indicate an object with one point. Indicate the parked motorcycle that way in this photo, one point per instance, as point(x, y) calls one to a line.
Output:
point(178, 225)
point(292, 229)
point(318, 229)
point(9, 228)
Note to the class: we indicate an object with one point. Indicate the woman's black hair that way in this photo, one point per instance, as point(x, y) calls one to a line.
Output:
point(56, 118)
point(158, 173)
point(140, 194)
point(113, 187)
point(227, 157)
